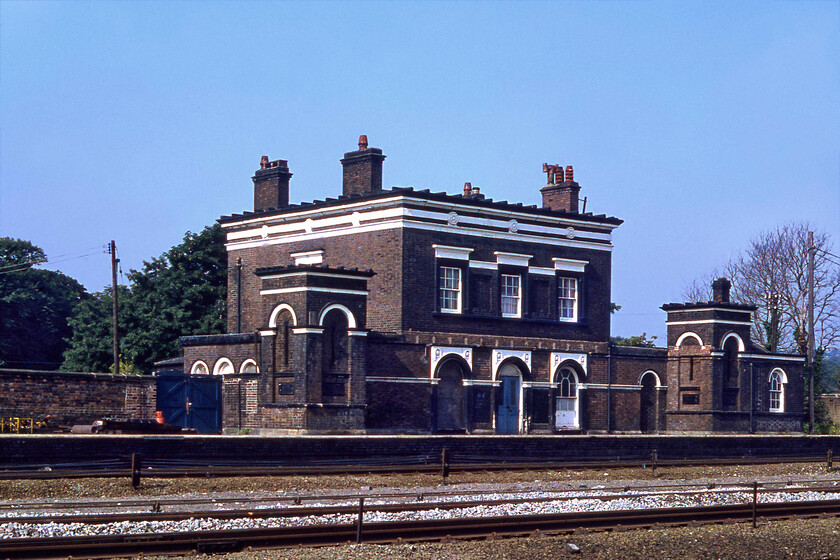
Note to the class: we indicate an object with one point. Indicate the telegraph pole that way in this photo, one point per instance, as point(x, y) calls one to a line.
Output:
point(811, 251)
point(112, 248)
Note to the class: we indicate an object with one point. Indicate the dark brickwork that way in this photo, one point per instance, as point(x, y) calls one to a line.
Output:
point(316, 450)
point(421, 273)
point(362, 171)
point(271, 185)
point(562, 196)
point(76, 398)
point(718, 380)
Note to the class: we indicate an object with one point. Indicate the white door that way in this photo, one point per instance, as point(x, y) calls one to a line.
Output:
point(566, 411)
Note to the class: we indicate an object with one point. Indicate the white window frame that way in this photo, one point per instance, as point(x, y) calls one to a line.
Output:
point(444, 289)
point(562, 290)
point(199, 368)
point(507, 294)
point(777, 395)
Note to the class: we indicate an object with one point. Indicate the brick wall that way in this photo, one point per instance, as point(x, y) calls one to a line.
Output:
point(52, 449)
point(76, 398)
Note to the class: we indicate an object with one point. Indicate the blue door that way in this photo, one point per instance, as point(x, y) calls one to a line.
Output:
point(508, 416)
point(191, 401)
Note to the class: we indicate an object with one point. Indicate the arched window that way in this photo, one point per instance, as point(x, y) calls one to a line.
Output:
point(249, 366)
point(199, 368)
point(778, 379)
point(223, 367)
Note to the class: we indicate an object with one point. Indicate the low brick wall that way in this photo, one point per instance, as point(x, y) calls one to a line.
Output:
point(253, 450)
point(75, 398)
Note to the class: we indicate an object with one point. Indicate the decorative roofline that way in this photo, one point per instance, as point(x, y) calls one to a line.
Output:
point(426, 194)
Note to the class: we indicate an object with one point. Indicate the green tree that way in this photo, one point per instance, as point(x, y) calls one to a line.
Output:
point(34, 307)
point(638, 340)
point(182, 292)
point(90, 348)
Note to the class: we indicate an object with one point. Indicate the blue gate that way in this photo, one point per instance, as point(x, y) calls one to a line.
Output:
point(191, 401)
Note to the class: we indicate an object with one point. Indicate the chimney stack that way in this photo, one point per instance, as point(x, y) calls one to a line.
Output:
point(362, 169)
point(561, 191)
point(720, 290)
point(271, 185)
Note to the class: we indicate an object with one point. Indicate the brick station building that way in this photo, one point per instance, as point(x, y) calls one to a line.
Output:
point(410, 311)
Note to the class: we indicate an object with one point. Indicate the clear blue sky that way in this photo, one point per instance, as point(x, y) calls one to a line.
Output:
point(698, 123)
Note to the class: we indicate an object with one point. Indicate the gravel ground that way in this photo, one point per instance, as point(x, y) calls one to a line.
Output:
point(116, 487)
point(800, 539)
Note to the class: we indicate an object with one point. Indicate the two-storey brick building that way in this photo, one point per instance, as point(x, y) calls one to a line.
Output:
point(403, 310)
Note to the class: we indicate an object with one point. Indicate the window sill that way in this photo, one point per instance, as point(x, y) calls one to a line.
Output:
point(470, 316)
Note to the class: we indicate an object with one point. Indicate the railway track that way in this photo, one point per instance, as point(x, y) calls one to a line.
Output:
point(177, 509)
point(158, 468)
point(400, 531)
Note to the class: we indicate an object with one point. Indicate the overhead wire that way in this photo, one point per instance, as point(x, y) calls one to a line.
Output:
point(11, 268)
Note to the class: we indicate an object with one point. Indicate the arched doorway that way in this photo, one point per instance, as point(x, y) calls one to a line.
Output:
point(567, 405)
point(731, 373)
point(450, 415)
point(510, 399)
point(648, 408)
point(335, 342)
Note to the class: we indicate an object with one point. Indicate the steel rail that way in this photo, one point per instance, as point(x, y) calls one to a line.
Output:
point(555, 493)
point(389, 532)
point(151, 469)
point(415, 506)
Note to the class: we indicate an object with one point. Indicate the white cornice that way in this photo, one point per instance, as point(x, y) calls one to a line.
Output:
point(708, 321)
point(569, 265)
point(449, 252)
point(312, 289)
point(233, 245)
point(512, 259)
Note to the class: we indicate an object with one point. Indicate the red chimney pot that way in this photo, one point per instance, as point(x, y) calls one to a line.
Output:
point(363, 143)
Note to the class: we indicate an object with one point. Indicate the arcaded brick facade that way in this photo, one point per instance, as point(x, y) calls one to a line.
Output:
point(403, 310)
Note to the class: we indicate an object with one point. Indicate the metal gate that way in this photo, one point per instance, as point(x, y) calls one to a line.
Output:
point(191, 401)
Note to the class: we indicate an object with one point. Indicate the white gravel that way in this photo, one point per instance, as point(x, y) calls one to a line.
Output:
point(583, 502)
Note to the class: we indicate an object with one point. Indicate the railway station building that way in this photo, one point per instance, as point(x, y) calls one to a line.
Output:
point(409, 311)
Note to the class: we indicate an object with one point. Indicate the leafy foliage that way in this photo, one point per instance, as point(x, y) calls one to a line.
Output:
point(34, 307)
point(90, 347)
point(638, 340)
point(182, 292)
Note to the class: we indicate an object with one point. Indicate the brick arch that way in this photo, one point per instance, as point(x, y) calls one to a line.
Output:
point(351, 319)
point(573, 365)
point(465, 366)
point(655, 375)
point(741, 346)
point(275, 313)
point(249, 362)
point(523, 368)
point(220, 366)
point(689, 335)
point(197, 365)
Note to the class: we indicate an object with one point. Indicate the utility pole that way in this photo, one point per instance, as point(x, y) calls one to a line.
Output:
point(773, 300)
point(811, 251)
point(114, 260)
